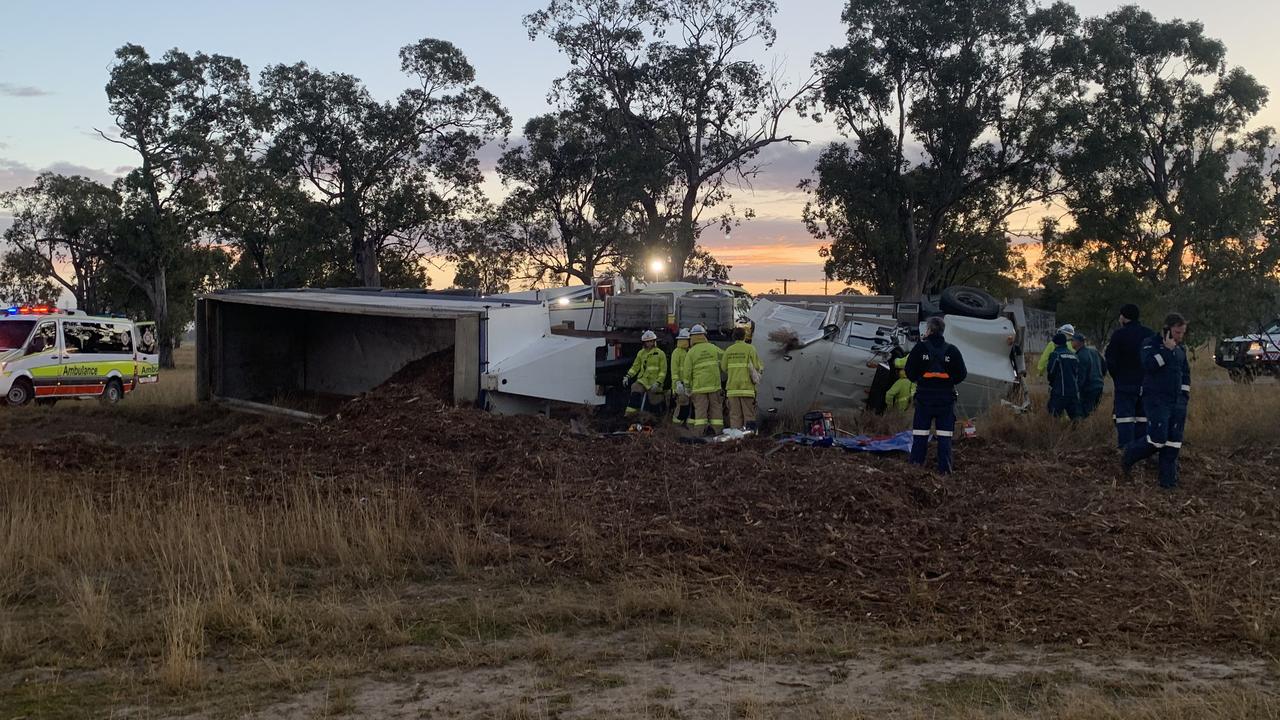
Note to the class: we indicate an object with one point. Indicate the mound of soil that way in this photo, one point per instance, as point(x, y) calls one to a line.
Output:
point(1011, 547)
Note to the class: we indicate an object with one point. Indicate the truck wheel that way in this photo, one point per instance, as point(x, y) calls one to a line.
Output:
point(20, 393)
point(112, 393)
point(969, 302)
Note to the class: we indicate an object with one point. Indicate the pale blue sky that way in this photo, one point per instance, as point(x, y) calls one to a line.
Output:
point(56, 53)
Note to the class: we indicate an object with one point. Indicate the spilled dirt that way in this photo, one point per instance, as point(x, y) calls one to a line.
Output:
point(1013, 547)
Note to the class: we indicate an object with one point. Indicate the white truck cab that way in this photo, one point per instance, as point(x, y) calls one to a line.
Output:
point(47, 354)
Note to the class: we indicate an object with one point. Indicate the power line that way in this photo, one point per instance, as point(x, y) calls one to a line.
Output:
point(784, 282)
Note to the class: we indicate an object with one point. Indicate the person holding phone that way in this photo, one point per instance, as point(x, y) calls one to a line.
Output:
point(1166, 392)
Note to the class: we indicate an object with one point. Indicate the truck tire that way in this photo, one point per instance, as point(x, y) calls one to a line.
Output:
point(20, 393)
point(969, 302)
point(112, 393)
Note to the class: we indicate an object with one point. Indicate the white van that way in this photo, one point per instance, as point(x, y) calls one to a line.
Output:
point(48, 354)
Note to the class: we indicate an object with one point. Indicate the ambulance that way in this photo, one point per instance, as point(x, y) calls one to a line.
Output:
point(48, 354)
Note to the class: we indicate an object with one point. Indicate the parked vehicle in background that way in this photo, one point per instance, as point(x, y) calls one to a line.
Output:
point(47, 354)
point(1252, 355)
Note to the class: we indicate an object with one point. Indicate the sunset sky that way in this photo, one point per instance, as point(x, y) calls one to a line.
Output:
point(56, 56)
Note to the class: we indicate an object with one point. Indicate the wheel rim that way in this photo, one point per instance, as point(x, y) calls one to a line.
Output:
point(17, 395)
point(113, 392)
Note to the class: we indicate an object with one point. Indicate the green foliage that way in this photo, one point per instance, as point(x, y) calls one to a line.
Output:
point(573, 206)
point(669, 79)
point(954, 113)
point(1092, 298)
point(185, 117)
point(1160, 169)
point(397, 176)
point(704, 266)
point(59, 225)
point(23, 280)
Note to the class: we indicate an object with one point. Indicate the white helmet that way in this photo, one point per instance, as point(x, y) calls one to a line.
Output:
point(684, 334)
point(648, 335)
point(697, 330)
point(1067, 329)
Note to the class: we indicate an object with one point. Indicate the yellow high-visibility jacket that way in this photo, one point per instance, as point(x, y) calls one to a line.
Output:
point(649, 367)
point(702, 366)
point(677, 365)
point(900, 394)
point(1043, 365)
point(736, 363)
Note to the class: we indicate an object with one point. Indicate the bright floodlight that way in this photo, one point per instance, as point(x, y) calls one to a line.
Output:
point(564, 301)
point(657, 265)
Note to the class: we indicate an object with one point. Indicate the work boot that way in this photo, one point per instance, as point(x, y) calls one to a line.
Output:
point(708, 431)
point(1127, 461)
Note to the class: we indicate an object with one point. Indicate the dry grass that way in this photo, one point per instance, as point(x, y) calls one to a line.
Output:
point(177, 592)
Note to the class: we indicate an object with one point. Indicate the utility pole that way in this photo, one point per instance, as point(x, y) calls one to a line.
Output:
point(784, 282)
point(825, 279)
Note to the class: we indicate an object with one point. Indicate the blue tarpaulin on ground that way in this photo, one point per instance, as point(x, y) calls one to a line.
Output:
point(857, 443)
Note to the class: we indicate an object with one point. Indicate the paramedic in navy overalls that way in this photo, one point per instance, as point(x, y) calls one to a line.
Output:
point(1124, 362)
point(936, 368)
point(1166, 389)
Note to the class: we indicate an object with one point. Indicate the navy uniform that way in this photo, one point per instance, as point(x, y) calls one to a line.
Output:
point(1064, 380)
point(1124, 363)
point(1166, 391)
point(936, 368)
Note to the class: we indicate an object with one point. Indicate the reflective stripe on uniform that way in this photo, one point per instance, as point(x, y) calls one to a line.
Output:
point(945, 433)
point(1159, 360)
point(717, 422)
point(1186, 388)
point(1141, 419)
point(1154, 443)
point(937, 376)
point(1173, 444)
point(697, 422)
point(920, 433)
point(1126, 420)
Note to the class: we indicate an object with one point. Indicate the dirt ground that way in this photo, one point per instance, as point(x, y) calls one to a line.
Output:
point(1024, 573)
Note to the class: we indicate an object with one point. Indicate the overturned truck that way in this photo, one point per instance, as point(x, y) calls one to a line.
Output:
point(302, 352)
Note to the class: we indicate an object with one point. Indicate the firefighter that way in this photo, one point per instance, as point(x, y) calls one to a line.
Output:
point(702, 369)
point(647, 376)
point(903, 390)
point(1042, 365)
point(1124, 362)
point(936, 368)
point(680, 383)
point(1064, 380)
point(1092, 370)
point(742, 369)
point(1166, 391)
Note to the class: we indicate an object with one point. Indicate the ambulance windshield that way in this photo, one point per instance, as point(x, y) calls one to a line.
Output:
point(13, 333)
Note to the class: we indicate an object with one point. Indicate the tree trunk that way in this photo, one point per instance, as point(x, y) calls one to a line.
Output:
point(912, 286)
point(366, 258)
point(160, 314)
point(1173, 264)
point(686, 237)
